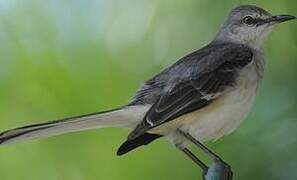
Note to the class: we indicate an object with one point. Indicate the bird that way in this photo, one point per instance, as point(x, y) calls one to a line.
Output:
point(203, 96)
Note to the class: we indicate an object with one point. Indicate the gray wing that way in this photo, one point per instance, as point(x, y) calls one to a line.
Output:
point(192, 83)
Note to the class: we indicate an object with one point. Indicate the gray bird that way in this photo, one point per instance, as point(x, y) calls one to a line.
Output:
point(204, 95)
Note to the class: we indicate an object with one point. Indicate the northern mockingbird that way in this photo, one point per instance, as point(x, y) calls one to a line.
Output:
point(203, 96)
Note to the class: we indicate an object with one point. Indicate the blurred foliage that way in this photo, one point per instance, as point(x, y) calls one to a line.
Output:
point(65, 58)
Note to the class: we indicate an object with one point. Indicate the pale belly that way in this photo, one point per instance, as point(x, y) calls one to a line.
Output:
point(222, 117)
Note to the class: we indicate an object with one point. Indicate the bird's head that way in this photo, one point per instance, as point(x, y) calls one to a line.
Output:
point(249, 24)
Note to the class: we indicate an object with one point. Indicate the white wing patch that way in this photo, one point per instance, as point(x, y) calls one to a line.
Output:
point(210, 96)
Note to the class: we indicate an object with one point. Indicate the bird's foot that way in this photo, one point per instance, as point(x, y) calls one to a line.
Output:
point(219, 170)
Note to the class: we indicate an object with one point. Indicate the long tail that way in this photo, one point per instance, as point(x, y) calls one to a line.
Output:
point(122, 117)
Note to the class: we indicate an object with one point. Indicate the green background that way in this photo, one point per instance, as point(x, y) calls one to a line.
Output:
point(65, 58)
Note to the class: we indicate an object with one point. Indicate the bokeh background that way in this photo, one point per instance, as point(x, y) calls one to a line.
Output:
point(65, 58)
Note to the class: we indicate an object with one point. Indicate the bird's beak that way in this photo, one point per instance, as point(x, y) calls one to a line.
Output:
point(281, 18)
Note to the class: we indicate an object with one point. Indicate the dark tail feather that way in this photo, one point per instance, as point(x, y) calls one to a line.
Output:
point(129, 145)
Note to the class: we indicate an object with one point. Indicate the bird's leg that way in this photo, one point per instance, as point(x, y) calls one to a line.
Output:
point(193, 158)
point(219, 170)
point(207, 151)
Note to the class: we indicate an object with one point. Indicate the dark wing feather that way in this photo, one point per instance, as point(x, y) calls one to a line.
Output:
point(194, 82)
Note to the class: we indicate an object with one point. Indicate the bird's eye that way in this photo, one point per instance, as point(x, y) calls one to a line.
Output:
point(248, 20)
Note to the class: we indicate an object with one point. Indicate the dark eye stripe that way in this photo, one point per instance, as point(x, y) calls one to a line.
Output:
point(254, 21)
point(260, 22)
